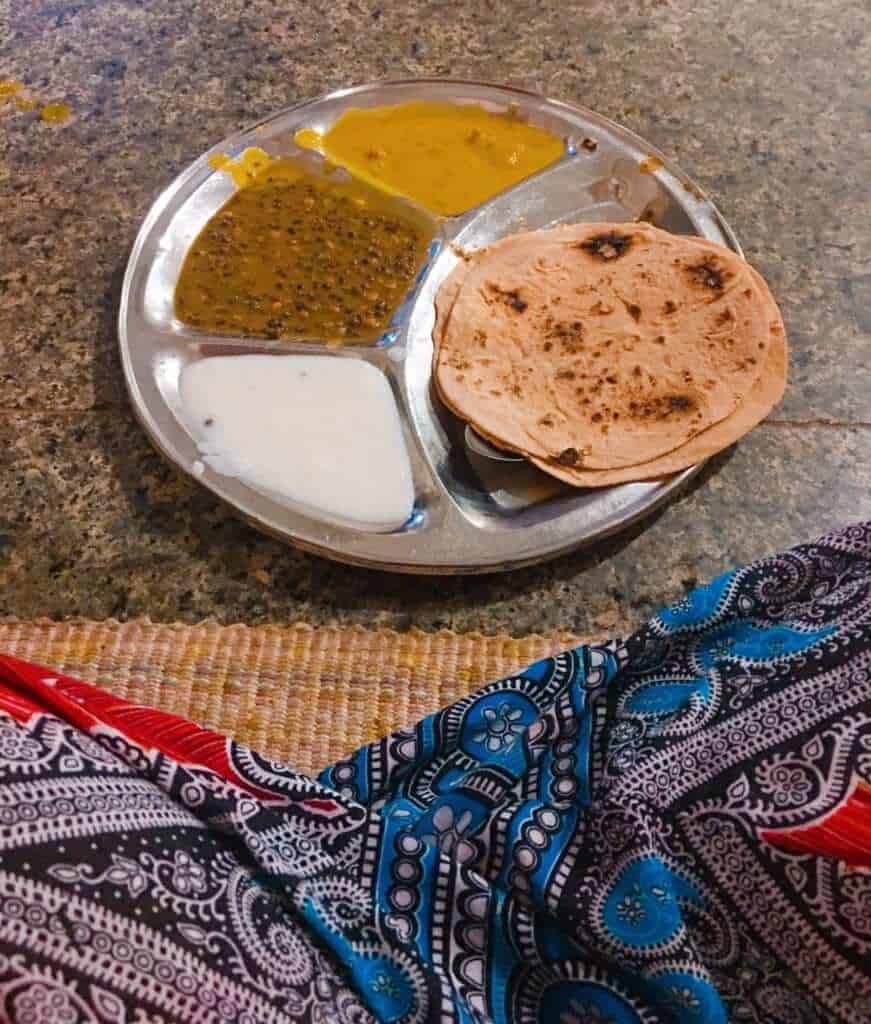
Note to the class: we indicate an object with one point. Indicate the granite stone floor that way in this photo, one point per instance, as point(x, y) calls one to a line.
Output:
point(766, 105)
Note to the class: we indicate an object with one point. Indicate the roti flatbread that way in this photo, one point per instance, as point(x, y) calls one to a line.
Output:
point(762, 398)
point(594, 349)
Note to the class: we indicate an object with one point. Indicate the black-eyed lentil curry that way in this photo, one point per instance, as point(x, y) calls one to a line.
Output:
point(296, 255)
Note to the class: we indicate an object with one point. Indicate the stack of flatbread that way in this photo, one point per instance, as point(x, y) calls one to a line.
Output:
point(605, 353)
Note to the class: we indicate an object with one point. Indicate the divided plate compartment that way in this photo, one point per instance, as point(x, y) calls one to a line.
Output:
point(472, 513)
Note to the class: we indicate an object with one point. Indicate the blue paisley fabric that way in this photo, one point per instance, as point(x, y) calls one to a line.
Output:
point(675, 827)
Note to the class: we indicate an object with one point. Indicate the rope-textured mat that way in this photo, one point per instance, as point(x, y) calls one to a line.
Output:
point(300, 694)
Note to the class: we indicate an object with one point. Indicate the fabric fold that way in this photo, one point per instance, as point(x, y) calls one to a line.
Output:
point(671, 827)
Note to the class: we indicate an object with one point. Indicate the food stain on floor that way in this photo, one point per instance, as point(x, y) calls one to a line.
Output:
point(55, 113)
point(11, 89)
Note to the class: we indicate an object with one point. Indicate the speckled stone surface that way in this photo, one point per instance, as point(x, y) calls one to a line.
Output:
point(766, 105)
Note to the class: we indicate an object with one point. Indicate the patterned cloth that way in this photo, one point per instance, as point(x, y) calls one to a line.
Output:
point(676, 827)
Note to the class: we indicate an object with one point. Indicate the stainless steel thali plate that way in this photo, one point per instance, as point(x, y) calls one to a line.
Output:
point(473, 513)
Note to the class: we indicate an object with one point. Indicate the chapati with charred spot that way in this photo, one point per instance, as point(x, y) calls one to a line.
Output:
point(602, 347)
point(763, 396)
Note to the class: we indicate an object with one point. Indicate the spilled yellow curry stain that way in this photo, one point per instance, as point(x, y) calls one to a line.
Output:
point(308, 138)
point(55, 113)
point(447, 158)
point(247, 166)
point(218, 161)
point(51, 113)
point(650, 165)
point(9, 87)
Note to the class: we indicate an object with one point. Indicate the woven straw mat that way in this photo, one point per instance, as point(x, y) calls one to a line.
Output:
point(304, 695)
